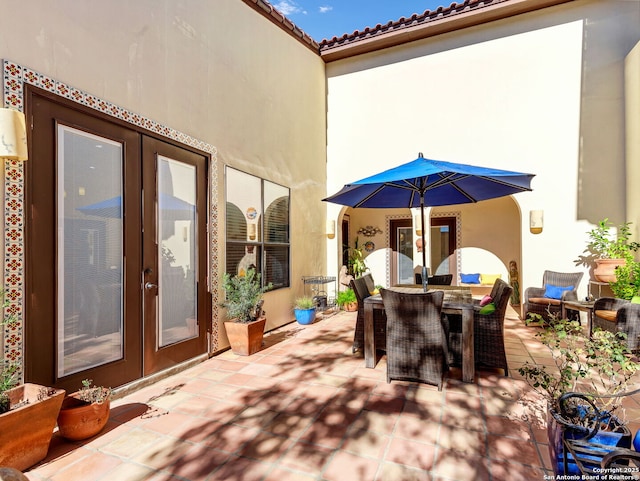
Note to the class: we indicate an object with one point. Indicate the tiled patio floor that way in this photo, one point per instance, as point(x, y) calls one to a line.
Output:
point(305, 408)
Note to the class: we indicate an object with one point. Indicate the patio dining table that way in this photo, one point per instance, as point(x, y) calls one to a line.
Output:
point(456, 301)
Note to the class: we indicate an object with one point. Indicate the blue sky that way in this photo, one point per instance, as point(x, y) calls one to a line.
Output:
point(328, 18)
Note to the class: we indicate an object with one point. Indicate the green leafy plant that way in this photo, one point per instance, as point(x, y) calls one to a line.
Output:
point(244, 296)
point(304, 303)
point(356, 266)
point(597, 364)
point(627, 283)
point(608, 245)
point(346, 297)
point(93, 394)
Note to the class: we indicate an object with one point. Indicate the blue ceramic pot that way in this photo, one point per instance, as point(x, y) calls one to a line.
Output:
point(305, 316)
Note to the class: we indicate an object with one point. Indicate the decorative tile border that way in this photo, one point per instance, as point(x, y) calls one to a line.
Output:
point(15, 77)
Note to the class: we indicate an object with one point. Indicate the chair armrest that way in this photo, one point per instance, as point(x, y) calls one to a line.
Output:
point(609, 304)
point(570, 295)
point(628, 319)
point(530, 292)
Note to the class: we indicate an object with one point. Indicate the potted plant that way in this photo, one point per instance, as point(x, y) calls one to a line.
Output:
point(304, 310)
point(610, 250)
point(27, 415)
point(347, 300)
point(85, 412)
point(245, 327)
point(357, 267)
point(600, 364)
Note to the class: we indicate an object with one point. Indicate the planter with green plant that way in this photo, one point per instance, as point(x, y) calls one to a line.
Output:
point(609, 249)
point(356, 264)
point(304, 310)
point(28, 414)
point(347, 300)
point(85, 412)
point(245, 327)
point(597, 365)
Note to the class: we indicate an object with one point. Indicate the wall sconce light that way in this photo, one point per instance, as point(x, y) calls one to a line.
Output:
point(418, 224)
point(331, 229)
point(251, 228)
point(13, 135)
point(536, 221)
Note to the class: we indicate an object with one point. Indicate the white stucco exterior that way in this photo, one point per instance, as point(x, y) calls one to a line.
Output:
point(527, 94)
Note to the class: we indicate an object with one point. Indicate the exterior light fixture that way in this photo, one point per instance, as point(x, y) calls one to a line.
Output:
point(536, 221)
point(13, 135)
point(331, 229)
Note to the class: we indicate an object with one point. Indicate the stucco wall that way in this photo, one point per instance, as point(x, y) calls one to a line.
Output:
point(539, 93)
point(217, 71)
point(632, 117)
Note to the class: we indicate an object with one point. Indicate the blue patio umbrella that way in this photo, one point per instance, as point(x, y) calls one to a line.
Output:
point(425, 182)
point(178, 208)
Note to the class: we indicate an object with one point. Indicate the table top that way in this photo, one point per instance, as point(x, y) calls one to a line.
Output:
point(460, 296)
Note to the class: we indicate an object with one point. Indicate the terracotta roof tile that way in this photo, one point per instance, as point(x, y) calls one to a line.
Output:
point(405, 29)
point(429, 23)
point(412, 21)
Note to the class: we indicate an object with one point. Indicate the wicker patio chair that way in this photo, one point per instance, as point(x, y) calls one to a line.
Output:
point(361, 289)
point(534, 297)
point(368, 280)
point(416, 343)
point(437, 280)
point(488, 331)
point(618, 315)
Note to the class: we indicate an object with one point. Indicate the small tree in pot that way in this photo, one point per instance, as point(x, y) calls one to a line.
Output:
point(244, 302)
point(609, 250)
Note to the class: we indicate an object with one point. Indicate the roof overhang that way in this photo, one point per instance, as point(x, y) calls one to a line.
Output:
point(443, 20)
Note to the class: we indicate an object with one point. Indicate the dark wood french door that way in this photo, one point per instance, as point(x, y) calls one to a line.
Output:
point(401, 240)
point(116, 249)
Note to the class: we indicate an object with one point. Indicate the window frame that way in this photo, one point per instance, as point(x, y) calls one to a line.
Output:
point(261, 246)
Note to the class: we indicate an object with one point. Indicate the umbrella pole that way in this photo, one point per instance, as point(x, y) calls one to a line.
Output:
point(424, 246)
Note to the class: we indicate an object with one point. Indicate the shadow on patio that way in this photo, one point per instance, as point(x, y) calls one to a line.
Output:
point(305, 408)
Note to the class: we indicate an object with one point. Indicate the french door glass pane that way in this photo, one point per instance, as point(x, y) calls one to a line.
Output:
point(90, 239)
point(439, 243)
point(176, 224)
point(405, 255)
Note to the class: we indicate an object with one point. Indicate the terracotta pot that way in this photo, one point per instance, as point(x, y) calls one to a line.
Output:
point(79, 420)
point(351, 306)
point(605, 270)
point(25, 431)
point(245, 339)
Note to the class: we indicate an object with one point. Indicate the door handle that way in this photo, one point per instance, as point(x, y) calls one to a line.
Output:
point(148, 286)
